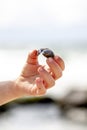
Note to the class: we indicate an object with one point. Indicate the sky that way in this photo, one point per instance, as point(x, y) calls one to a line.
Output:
point(43, 20)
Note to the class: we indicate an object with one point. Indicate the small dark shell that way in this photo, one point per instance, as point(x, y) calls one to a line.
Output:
point(46, 52)
point(41, 50)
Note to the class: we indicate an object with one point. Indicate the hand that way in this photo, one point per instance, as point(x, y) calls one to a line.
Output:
point(35, 79)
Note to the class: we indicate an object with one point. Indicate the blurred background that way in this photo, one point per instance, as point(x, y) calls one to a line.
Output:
point(60, 25)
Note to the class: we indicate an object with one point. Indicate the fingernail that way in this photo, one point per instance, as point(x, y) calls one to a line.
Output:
point(50, 59)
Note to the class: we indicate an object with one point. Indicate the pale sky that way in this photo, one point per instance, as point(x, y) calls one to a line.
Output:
point(51, 15)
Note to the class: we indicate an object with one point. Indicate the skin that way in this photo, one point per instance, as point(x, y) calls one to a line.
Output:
point(34, 79)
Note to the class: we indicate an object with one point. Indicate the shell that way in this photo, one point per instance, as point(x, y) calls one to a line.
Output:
point(46, 52)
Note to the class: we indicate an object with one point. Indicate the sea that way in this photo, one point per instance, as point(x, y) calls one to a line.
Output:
point(44, 117)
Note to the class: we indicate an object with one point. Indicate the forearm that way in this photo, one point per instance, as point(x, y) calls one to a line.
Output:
point(7, 92)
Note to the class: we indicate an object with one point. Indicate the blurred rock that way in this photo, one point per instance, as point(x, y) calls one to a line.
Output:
point(33, 100)
point(74, 105)
point(77, 114)
point(26, 101)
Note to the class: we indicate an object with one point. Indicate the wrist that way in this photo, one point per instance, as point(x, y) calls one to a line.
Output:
point(8, 92)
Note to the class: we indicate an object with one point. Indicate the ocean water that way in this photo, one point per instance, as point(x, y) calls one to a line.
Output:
point(43, 117)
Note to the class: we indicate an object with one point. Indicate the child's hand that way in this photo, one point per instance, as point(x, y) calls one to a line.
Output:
point(35, 79)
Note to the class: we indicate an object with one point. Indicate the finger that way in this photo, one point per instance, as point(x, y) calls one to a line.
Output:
point(48, 79)
point(55, 68)
point(60, 62)
point(38, 88)
point(32, 57)
point(31, 65)
point(41, 90)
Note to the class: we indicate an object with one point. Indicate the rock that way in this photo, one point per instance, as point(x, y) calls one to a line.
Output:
point(74, 98)
point(74, 105)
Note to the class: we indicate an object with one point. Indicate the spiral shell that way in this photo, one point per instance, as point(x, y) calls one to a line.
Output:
point(46, 52)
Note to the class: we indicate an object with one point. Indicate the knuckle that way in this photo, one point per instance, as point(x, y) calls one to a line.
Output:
point(60, 74)
point(52, 83)
point(43, 92)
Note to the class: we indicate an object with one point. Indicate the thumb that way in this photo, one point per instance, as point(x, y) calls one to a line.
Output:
point(31, 65)
point(32, 57)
